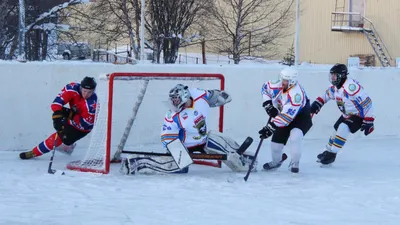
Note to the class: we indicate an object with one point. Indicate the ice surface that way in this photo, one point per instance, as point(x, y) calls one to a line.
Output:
point(362, 187)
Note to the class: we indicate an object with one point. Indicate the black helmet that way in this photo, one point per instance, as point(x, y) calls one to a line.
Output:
point(340, 70)
point(88, 83)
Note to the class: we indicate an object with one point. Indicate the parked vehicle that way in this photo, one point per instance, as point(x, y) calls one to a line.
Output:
point(74, 50)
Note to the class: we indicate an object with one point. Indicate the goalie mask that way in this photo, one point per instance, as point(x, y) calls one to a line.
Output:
point(178, 96)
point(338, 75)
point(288, 77)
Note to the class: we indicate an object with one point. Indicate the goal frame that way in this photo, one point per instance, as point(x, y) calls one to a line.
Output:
point(152, 76)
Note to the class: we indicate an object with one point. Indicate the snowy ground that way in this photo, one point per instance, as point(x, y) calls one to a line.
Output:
point(362, 188)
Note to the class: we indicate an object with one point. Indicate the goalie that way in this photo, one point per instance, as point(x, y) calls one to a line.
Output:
point(187, 121)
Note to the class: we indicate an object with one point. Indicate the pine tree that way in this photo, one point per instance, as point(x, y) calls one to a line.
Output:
point(289, 57)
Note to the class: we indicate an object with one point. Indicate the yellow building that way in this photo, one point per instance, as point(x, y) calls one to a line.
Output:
point(333, 30)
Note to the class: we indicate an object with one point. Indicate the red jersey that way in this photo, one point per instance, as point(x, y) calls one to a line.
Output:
point(85, 108)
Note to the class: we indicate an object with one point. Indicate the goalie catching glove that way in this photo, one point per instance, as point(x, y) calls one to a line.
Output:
point(267, 131)
point(217, 98)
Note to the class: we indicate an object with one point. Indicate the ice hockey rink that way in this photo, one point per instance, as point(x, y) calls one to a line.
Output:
point(361, 188)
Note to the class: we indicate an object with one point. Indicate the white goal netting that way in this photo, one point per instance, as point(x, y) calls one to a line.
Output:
point(130, 112)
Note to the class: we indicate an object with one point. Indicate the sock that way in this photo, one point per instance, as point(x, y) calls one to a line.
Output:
point(276, 151)
point(296, 137)
point(46, 145)
point(340, 138)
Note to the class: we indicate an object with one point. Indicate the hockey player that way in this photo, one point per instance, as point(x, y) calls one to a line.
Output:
point(288, 106)
point(71, 124)
point(187, 120)
point(356, 108)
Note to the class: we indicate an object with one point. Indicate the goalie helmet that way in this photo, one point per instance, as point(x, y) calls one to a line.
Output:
point(88, 83)
point(289, 74)
point(338, 74)
point(178, 96)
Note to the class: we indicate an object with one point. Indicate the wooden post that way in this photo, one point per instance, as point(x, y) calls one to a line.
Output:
point(203, 50)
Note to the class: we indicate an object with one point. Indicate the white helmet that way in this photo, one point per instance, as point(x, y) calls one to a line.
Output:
point(178, 96)
point(289, 74)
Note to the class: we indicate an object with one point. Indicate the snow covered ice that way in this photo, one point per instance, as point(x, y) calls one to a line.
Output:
point(362, 187)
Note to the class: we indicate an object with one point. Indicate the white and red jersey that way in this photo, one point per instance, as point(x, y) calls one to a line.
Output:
point(350, 98)
point(190, 124)
point(289, 103)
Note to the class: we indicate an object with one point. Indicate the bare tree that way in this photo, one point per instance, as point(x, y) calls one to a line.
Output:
point(96, 20)
point(169, 21)
point(8, 27)
point(242, 27)
point(111, 21)
point(42, 24)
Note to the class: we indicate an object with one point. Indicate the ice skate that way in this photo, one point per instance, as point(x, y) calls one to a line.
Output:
point(27, 155)
point(294, 167)
point(326, 158)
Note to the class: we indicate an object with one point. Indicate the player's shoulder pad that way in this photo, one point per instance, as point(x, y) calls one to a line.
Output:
point(274, 84)
point(296, 95)
point(351, 86)
point(271, 85)
point(72, 86)
point(92, 103)
point(196, 92)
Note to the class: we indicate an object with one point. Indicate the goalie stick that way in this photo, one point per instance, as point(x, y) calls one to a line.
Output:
point(245, 145)
point(192, 155)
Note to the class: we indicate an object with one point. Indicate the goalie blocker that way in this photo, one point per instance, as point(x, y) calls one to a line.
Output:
point(217, 147)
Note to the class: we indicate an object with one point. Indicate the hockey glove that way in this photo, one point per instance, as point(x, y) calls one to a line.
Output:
point(68, 113)
point(317, 105)
point(58, 120)
point(367, 125)
point(267, 131)
point(270, 109)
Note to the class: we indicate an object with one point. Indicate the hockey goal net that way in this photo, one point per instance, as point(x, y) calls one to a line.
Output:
point(130, 112)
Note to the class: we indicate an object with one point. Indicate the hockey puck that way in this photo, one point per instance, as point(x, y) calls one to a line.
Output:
point(59, 172)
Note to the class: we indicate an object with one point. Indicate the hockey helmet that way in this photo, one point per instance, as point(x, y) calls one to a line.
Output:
point(178, 96)
point(290, 74)
point(338, 74)
point(88, 83)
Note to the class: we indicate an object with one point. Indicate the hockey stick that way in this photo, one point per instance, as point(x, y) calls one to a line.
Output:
point(254, 160)
point(192, 155)
point(255, 156)
point(50, 170)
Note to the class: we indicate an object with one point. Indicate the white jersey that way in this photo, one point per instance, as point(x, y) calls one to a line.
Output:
point(190, 124)
point(289, 103)
point(351, 99)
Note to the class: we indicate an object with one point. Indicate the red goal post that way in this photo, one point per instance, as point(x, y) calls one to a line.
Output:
point(102, 149)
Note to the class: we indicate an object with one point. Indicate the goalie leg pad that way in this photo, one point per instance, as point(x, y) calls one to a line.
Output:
point(149, 164)
point(240, 163)
point(217, 143)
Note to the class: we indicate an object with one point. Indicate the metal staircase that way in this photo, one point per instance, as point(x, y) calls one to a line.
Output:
point(355, 22)
point(377, 44)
